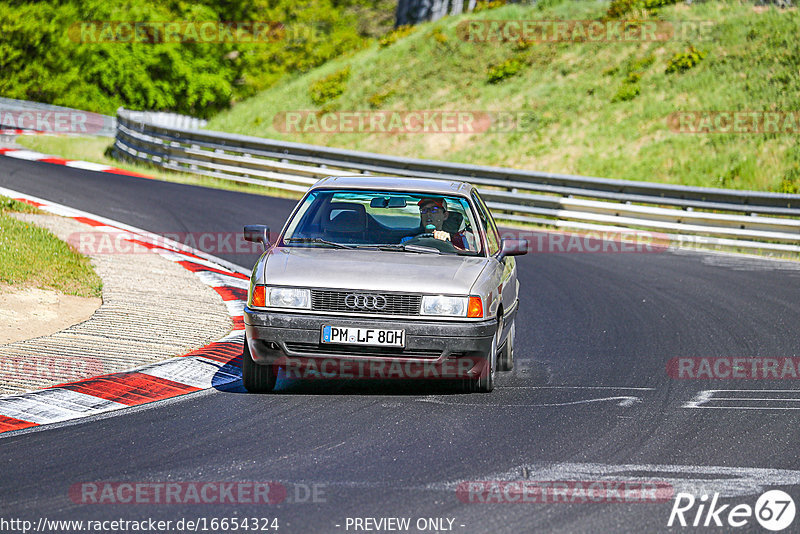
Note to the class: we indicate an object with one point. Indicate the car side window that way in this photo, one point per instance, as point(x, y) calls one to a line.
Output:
point(492, 235)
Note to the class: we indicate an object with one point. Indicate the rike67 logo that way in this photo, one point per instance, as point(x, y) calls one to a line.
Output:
point(774, 510)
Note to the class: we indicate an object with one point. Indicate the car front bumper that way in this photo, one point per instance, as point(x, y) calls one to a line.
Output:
point(456, 349)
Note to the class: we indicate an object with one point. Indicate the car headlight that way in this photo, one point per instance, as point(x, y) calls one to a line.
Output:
point(447, 306)
point(288, 297)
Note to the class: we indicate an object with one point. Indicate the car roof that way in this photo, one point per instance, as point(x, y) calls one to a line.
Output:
point(395, 183)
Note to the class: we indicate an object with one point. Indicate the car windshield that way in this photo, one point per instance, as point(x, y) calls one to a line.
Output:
point(392, 221)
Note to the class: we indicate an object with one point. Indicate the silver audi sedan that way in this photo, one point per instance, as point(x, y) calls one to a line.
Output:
point(383, 277)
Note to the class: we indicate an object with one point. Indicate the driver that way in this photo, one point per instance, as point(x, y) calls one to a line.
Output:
point(434, 211)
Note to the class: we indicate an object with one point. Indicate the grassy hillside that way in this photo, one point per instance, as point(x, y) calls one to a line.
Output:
point(600, 108)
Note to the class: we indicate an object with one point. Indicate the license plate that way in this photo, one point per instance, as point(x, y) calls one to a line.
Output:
point(349, 335)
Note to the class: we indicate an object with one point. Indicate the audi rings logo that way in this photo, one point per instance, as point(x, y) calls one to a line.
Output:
point(365, 302)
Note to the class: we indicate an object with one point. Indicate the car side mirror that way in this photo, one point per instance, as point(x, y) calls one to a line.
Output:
point(512, 247)
point(257, 233)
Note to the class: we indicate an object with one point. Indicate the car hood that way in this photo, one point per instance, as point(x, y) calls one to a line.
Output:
point(372, 270)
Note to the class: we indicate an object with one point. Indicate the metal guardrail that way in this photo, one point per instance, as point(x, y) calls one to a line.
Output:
point(25, 115)
point(170, 120)
point(747, 219)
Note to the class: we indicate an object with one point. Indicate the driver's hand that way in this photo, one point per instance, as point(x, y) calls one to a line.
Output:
point(441, 234)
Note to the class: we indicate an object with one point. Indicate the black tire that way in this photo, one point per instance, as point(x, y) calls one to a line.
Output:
point(505, 362)
point(485, 382)
point(256, 378)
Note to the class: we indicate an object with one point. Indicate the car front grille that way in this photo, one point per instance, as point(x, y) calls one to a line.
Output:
point(365, 302)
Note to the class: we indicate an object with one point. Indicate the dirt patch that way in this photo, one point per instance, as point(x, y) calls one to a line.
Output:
point(27, 313)
point(152, 309)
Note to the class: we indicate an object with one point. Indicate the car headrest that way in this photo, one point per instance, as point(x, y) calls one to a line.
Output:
point(453, 222)
point(345, 218)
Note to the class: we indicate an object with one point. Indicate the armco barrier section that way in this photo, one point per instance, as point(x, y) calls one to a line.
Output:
point(746, 219)
point(23, 114)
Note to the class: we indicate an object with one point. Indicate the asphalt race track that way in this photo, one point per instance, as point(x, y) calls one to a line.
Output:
point(590, 396)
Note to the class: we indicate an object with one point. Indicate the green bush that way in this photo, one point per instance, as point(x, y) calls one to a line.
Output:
point(377, 100)
point(619, 8)
point(506, 69)
point(439, 36)
point(43, 59)
point(633, 77)
point(790, 184)
point(522, 45)
point(655, 4)
point(630, 88)
point(395, 35)
point(329, 87)
point(627, 91)
point(486, 5)
point(610, 71)
point(683, 61)
point(638, 65)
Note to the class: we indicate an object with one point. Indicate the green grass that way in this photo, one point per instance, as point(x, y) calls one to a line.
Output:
point(10, 204)
point(600, 109)
point(33, 257)
point(94, 149)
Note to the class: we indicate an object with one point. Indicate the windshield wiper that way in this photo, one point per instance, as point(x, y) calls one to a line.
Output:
point(316, 240)
point(409, 248)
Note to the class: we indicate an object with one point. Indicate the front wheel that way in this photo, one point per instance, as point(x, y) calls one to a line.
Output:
point(505, 362)
point(256, 378)
point(485, 382)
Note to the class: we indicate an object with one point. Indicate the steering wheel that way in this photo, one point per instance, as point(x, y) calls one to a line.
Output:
point(426, 239)
point(429, 234)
